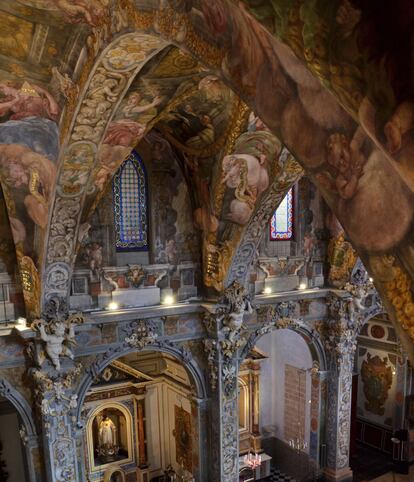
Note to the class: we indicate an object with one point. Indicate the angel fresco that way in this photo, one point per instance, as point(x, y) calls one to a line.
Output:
point(136, 105)
point(246, 172)
point(124, 132)
point(357, 174)
point(306, 114)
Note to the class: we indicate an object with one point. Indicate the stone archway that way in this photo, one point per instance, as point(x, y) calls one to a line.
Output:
point(199, 401)
point(317, 379)
point(28, 432)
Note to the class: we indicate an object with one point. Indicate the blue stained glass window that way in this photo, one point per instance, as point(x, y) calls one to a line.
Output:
point(130, 205)
point(281, 224)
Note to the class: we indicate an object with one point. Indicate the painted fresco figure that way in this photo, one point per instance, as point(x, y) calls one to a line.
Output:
point(29, 145)
point(74, 11)
point(247, 175)
point(32, 113)
point(289, 99)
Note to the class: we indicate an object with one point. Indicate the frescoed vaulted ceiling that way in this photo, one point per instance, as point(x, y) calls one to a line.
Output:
point(250, 94)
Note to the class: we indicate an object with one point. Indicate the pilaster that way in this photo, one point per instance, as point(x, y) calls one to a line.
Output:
point(339, 337)
point(55, 375)
point(224, 328)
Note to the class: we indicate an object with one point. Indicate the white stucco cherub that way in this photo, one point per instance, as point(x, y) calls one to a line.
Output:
point(58, 336)
point(236, 301)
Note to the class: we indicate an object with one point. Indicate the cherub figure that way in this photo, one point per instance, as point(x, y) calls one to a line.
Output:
point(400, 123)
point(347, 160)
point(58, 336)
point(236, 303)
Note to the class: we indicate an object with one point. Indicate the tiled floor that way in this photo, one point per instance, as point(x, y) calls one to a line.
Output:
point(389, 477)
point(277, 476)
point(370, 464)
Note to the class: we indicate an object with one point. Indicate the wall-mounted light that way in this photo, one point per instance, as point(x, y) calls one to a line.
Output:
point(371, 279)
point(113, 306)
point(267, 290)
point(168, 300)
point(303, 286)
point(21, 323)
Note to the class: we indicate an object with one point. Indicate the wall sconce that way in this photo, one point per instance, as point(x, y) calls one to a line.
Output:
point(21, 323)
point(113, 306)
point(168, 300)
point(267, 290)
point(303, 286)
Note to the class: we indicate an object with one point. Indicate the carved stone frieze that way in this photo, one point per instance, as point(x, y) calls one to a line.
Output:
point(54, 395)
point(5, 388)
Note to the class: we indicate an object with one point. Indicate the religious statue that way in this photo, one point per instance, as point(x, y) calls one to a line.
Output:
point(107, 438)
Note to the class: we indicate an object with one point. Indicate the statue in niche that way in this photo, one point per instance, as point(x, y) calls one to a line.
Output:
point(108, 447)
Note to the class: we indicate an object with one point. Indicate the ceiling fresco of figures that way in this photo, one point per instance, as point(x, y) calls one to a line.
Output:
point(82, 82)
point(362, 52)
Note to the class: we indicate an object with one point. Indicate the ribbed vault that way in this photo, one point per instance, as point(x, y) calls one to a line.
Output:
point(358, 160)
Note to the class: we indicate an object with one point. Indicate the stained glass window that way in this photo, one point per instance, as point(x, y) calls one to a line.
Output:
point(281, 224)
point(130, 205)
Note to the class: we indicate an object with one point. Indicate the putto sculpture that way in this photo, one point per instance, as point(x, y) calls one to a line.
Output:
point(57, 331)
point(235, 303)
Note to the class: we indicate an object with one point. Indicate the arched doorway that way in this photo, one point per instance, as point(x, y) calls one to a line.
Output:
point(142, 417)
point(280, 404)
point(13, 461)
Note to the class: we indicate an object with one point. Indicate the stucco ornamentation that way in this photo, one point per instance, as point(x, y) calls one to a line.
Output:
point(210, 348)
point(234, 304)
point(140, 334)
point(57, 331)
